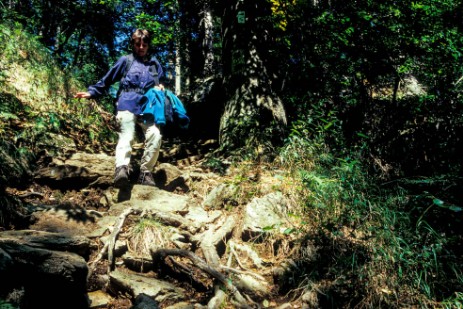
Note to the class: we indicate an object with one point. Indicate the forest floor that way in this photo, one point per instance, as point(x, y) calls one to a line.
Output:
point(197, 286)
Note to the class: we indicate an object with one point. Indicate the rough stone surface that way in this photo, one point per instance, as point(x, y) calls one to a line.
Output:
point(138, 284)
point(219, 196)
point(98, 299)
point(266, 214)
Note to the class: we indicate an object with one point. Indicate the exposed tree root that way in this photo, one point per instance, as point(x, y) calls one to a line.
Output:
point(91, 267)
point(186, 270)
point(201, 264)
point(258, 262)
point(110, 244)
point(173, 220)
point(113, 237)
point(213, 236)
point(218, 299)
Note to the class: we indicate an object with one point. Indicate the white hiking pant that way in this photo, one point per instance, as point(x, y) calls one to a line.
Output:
point(127, 122)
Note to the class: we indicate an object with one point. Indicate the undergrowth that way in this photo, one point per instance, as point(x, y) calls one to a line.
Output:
point(378, 244)
point(36, 98)
point(38, 115)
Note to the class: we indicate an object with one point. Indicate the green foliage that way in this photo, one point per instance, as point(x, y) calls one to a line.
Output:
point(6, 305)
point(35, 107)
point(15, 167)
point(161, 33)
point(390, 243)
point(216, 165)
point(335, 56)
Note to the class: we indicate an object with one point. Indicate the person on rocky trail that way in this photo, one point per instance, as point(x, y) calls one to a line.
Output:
point(135, 79)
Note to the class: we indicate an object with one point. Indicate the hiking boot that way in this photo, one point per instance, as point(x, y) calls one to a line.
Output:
point(121, 176)
point(146, 178)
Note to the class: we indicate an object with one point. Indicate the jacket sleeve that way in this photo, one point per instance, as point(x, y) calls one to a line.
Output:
point(114, 75)
point(179, 110)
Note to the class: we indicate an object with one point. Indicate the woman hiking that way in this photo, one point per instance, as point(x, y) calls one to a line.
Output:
point(136, 73)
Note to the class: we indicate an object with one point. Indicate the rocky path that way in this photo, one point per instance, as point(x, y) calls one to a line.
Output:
point(198, 240)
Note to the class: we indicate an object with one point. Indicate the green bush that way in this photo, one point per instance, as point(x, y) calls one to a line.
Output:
point(389, 243)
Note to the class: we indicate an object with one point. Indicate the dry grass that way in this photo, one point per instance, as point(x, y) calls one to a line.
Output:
point(146, 235)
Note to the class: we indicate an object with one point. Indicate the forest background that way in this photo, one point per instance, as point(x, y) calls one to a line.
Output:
point(359, 100)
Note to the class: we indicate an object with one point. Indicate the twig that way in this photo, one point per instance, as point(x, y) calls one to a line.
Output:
point(459, 80)
point(29, 194)
point(241, 272)
point(237, 258)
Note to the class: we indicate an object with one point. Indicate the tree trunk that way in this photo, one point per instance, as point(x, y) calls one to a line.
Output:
point(178, 71)
point(254, 116)
point(208, 51)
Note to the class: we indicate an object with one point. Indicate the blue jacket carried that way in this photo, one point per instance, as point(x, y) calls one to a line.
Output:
point(161, 103)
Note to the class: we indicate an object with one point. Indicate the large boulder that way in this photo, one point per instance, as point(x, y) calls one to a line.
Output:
point(46, 266)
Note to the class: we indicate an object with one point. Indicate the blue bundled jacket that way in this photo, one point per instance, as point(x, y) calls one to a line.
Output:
point(154, 103)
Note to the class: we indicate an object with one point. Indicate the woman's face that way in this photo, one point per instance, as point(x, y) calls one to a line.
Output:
point(140, 48)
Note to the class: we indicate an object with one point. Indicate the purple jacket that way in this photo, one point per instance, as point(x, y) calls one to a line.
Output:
point(137, 81)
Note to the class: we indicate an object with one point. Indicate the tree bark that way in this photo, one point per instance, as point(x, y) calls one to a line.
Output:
point(254, 115)
point(208, 51)
point(178, 71)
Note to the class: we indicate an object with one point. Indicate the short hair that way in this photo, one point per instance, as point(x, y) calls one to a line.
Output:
point(140, 35)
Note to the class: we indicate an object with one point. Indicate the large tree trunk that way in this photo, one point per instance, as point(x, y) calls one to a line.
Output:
point(254, 115)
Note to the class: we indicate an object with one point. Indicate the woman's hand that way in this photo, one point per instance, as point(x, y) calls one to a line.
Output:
point(159, 87)
point(82, 95)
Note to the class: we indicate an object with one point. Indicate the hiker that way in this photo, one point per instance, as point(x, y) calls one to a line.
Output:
point(135, 79)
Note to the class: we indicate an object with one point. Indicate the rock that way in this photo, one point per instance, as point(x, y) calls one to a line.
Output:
point(263, 215)
point(412, 87)
point(52, 241)
point(46, 265)
point(6, 261)
point(56, 143)
point(220, 196)
point(136, 284)
point(98, 299)
point(187, 222)
point(104, 224)
point(200, 217)
point(79, 171)
point(184, 305)
point(168, 177)
point(152, 199)
point(51, 279)
point(120, 247)
point(64, 219)
point(143, 301)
